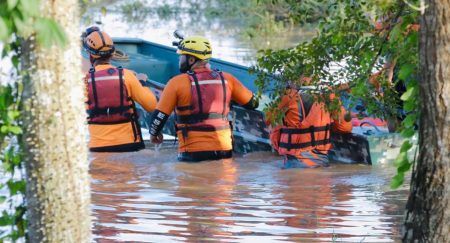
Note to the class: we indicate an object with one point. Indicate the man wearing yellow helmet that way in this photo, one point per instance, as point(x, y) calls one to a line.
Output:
point(111, 92)
point(201, 98)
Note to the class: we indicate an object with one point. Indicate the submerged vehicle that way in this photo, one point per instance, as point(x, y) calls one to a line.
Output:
point(369, 143)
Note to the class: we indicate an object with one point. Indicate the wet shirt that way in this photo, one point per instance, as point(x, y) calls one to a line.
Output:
point(177, 93)
point(118, 134)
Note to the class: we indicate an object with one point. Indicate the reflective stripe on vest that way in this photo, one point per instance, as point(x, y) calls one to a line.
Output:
point(203, 82)
point(209, 106)
point(108, 99)
point(106, 78)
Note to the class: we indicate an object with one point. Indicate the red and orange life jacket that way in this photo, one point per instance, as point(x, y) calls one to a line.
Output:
point(313, 132)
point(210, 103)
point(108, 100)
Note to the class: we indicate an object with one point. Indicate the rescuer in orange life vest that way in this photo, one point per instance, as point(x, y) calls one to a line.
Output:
point(111, 92)
point(304, 137)
point(201, 98)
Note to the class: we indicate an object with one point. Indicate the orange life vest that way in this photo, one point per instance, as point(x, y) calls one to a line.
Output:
point(108, 100)
point(210, 103)
point(313, 132)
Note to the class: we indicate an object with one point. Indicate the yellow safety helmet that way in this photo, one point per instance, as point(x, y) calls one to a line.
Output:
point(99, 44)
point(197, 46)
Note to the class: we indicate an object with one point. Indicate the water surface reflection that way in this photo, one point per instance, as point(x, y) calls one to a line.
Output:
point(149, 197)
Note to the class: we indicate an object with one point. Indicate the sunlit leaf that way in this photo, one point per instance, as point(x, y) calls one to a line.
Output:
point(408, 132)
point(397, 181)
point(405, 71)
point(400, 160)
point(15, 61)
point(404, 167)
point(405, 146)
point(6, 219)
point(4, 31)
point(21, 26)
point(16, 186)
point(49, 32)
point(409, 105)
point(408, 94)
point(30, 7)
point(2, 199)
point(409, 120)
point(15, 129)
point(12, 4)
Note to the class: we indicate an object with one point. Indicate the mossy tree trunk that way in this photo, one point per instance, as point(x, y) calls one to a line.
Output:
point(428, 207)
point(58, 194)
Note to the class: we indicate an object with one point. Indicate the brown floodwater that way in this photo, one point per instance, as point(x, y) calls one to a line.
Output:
point(148, 196)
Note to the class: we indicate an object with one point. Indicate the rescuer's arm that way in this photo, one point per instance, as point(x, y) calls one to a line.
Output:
point(165, 106)
point(341, 124)
point(282, 107)
point(139, 93)
point(240, 94)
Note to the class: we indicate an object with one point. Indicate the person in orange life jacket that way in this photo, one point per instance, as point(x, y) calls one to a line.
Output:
point(111, 92)
point(304, 137)
point(201, 98)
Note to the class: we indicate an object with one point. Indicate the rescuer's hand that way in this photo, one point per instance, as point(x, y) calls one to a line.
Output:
point(157, 139)
point(142, 76)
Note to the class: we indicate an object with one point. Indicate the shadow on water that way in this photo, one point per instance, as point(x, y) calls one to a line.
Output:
point(149, 197)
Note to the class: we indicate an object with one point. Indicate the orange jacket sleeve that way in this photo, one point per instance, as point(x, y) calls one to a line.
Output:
point(168, 99)
point(239, 92)
point(283, 106)
point(340, 125)
point(139, 93)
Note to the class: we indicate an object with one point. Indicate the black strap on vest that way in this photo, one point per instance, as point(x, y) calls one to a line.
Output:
point(121, 84)
point(94, 88)
point(106, 111)
point(185, 108)
point(311, 130)
point(290, 146)
point(199, 94)
point(185, 129)
point(204, 128)
point(195, 118)
point(305, 130)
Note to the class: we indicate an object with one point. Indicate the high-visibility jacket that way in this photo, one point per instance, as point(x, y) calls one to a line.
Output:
point(305, 128)
point(210, 103)
point(203, 127)
point(108, 98)
point(112, 122)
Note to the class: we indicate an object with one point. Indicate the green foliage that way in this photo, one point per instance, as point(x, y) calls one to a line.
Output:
point(11, 160)
point(356, 42)
point(20, 20)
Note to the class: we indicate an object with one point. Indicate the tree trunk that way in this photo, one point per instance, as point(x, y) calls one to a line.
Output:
point(428, 207)
point(58, 195)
